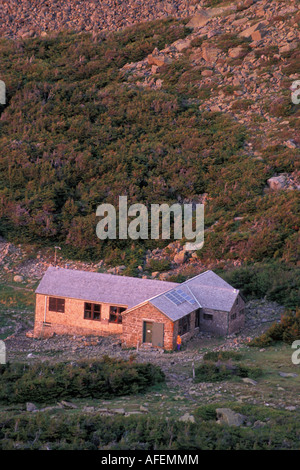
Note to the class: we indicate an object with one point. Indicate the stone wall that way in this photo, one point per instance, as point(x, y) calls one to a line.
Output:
point(219, 323)
point(72, 321)
point(190, 333)
point(133, 326)
point(237, 311)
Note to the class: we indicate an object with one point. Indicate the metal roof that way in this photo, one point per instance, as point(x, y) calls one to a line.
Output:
point(100, 287)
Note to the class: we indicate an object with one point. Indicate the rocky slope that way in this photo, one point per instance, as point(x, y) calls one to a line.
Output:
point(251, 81)
point(19, 18)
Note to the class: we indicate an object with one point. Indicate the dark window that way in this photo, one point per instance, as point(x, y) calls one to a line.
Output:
point(115, 314)
point(233, 316)
point(242, 312)
point(184, 325)
point(207, 316)
point(197, 318)
point(92, 311)
point(56, 305)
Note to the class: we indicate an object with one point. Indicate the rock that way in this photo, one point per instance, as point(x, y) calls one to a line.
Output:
point(18, 278)
point(119, 411)
point(31, 407)
point(182, 44)
point(290, 46)
point(163, 276)
point(180, 257)
point(291, 408)
point(199, 19)
point(287, 374)
point(244, 5)
point(158, 58)
point(67, 404)
point(187, 418)
point(247, 380)
point(255, 32)
point(207, 73)
point(236, 52)
point(227, 416)
point(210, 53)
point(277, 182)
point(290, 144)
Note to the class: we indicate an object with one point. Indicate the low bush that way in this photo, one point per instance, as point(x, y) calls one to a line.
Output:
point(222, 356)
point(287, 331)
point(217, 372)
point(44, 383)
point(159, 265)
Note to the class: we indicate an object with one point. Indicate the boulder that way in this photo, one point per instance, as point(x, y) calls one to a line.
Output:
point(290, 46)
point(182, 44)
point(210, 53)
point(255, 32)
point(180, 257)
point(199, 19)
point(277, 182)
point(187, 418)
point(31, 407)
point(18, 278)
point(158, 58)
point(247, 380)
point(236, 52)
point(287, 374)
point(227, 416)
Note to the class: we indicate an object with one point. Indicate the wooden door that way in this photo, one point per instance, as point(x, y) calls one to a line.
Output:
point(158, 334)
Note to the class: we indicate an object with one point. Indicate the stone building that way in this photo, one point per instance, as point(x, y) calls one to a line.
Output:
point(140, 311)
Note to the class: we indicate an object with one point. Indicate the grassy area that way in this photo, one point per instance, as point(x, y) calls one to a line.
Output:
point(16, 307)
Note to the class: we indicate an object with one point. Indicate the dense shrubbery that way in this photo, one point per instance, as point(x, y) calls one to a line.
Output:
point(97, 379)
point(287, 330)
point(274, 281)
point(222, 356)
point(75, 133)
point(274, 430)
point(219, 371)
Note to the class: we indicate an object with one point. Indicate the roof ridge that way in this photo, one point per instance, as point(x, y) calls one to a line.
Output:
point(206, 285)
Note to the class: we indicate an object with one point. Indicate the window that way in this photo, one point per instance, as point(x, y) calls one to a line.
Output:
point(92, 311)
point(56, 305)
point(242, 312)
point(207, 316)
point(115, 314)
point(233, 316)
point(197, 318)
point(184, 325)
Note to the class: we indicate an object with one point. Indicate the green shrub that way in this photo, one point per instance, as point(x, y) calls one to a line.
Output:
point(222, 356)
point(85, 379)
point(287, 331)
point(218, 372)
point(158, 265)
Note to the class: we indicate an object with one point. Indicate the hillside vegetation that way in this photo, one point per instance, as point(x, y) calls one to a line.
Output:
point(75, 134)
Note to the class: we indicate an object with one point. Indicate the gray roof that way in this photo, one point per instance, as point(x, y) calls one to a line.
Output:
point(209, 291)
point(100, 287)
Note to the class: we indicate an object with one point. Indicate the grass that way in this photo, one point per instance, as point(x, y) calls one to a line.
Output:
point(16, 306)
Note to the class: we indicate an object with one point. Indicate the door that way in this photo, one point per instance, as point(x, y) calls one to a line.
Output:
point(147, 336)
point(154, 333)
point(158, 335)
